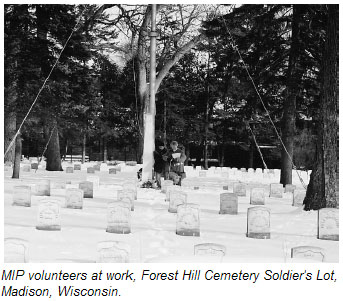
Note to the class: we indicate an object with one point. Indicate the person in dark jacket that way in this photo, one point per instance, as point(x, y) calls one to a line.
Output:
point(160, 157)
point(176, 161)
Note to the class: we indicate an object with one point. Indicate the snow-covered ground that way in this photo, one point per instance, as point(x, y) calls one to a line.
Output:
point(153, 237)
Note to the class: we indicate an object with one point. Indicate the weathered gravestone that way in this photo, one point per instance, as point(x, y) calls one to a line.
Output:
point(290, 188)
point(308, 252)
point(276, 190)
point(26, 168)
point(95, 180)
point(113, 252)
point(112, 171)
point(87, 188)
point(34, 165)
point(49, 217)
point(43, 188)
point(69, 169)
point(209, 249)
point(298, 197)
point(97, 167)
point(187, 220)
point(176, 198)
point(77, 166)
point(225, 187)
point(171, 188)
point(202, 174)
point(131, 185)
point(165, 184)
point(119, 218)
point(74, 198)
point(16, 250)
point(239, 189)
point(257, 196)
point(258, 225)
point(328, 224)
point(127, 196)
point(58, 185)
point(224, 174)
point(228, 203)
point(90, 170)
point(22, 196)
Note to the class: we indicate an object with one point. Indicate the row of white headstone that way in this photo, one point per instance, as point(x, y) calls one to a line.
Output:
point(17, 250)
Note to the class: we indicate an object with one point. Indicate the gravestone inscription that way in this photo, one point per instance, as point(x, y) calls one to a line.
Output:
point(228, 203)
point(49, 217)
point(119, 218)
point(113, 252)
point(22, 196)
point(187, 220)
point(258, 225)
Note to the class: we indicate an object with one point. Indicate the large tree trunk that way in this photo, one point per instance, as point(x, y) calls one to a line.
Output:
point(10, 121)
point(289, 106)
point(322, 190)
point(17, 157)
point(53, 155)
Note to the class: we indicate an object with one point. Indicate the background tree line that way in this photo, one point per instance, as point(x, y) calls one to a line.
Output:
point(211, 59)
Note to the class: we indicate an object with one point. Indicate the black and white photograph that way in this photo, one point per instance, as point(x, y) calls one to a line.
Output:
point(171, 133)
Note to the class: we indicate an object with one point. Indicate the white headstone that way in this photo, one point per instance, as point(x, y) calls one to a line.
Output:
point(90, 170)
point(95, 180)
point(257, 196)
point(169, 189)
point(16, 250)
point(69, 169)
point(77, 166)
point(328, 224)
point(119, 218)
point(165, 184)
point(26, 168)
point(113, 252)
point(209, 249)
point(239, 189)
point(22, 196)
point(87, 188)
point(176, 198)
point(224, 174)
point(131, 185)
point(187, 220)
point(298, 197)
point(43, 188)
point(290, 188)
point(112, 171)
point(258, 225)
point(202, 174)
point(276, 190)
point(127, 196)
point(74, 198)
point(308, 252)
point(49, 217)
point(228, 203)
